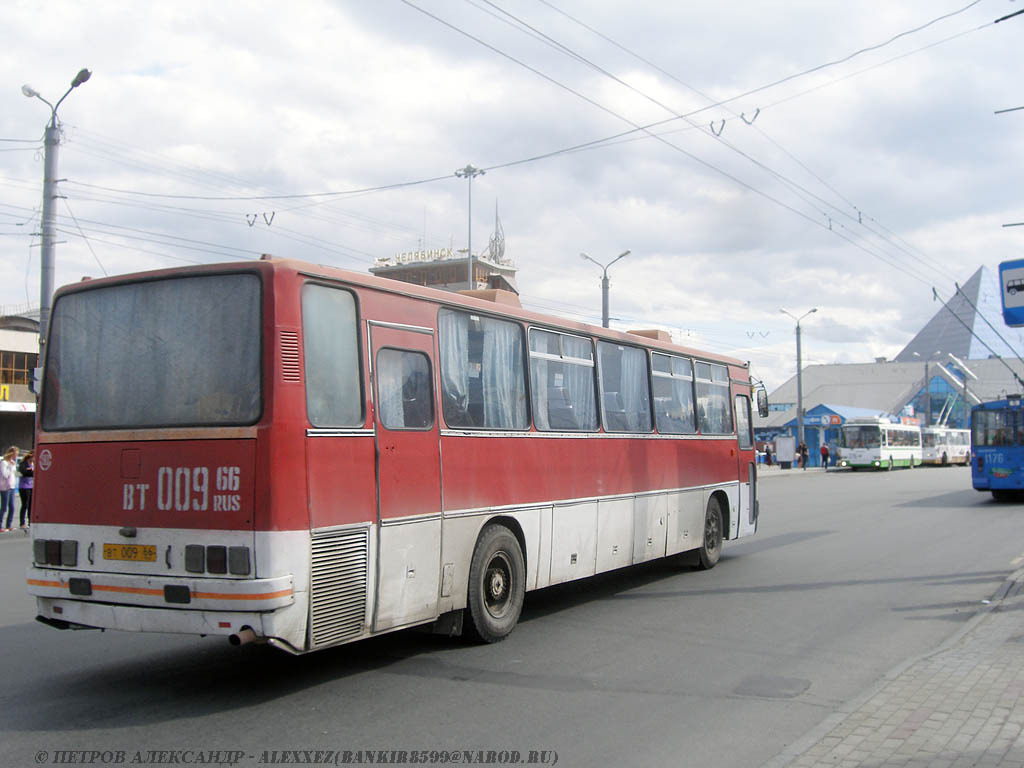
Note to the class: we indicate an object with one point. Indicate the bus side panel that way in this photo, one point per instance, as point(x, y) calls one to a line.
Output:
point(615, 535)
point(686, 521)
point(650, 527)
point(342, 480)
point(408, 575)
point(573, 541)
point(488, 472)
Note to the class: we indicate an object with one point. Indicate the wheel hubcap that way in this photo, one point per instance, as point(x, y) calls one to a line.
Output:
point(497, 585)
point(711, 533)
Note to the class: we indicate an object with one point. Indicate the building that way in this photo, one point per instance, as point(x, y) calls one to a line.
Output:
point(19, 355)
point(963, 356)
point(442, 268)
point(446, 269)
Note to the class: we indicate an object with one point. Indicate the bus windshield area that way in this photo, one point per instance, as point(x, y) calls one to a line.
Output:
point(861, 437)
point(159, 353)
point(992, 427)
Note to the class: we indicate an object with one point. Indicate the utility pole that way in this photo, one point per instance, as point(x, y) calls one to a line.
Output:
point(799, 377)
point(51, 146)
point(469, 173)
point(604, 283)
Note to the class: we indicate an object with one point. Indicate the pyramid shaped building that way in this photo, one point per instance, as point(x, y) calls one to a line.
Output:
point(921, 381)
point(976, 308)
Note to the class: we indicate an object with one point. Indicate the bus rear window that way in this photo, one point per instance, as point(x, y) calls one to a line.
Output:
point(163, 353)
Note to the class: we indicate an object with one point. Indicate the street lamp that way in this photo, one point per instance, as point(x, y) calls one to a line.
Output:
point(927, 386)
point(469, 173)
point(799, 379)
point(49, 217)
point(604, 282)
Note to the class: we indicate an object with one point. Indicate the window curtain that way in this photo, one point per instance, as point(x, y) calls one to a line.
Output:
point(502, 372)
point(634, 390)
point(454, 329)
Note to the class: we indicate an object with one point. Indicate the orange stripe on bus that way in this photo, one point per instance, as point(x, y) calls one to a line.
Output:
point(236, 596)
point(160, 592)
point(128, 590)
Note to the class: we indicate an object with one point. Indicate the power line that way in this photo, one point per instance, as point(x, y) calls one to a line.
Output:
point(718, 137)
point(659, 138)
point(308, 195)
point(79, 226)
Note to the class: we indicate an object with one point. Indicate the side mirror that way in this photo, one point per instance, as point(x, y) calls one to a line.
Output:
point(762, 403)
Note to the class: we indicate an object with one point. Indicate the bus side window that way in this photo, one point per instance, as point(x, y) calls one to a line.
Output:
point(404, 389)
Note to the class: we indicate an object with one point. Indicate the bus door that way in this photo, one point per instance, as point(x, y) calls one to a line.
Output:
point(747, 466)
point(408, 475)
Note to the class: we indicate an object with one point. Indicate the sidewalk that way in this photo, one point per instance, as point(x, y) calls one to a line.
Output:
point(960, 705)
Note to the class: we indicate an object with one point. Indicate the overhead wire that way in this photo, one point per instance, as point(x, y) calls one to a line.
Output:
point(373, 189)
point(661, 139)
point(758, 128)
point(86, 239)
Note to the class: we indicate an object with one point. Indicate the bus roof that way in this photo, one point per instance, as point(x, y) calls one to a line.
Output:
point(996, 405)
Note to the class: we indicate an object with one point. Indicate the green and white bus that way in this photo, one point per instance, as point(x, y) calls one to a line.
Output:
point(885, 442)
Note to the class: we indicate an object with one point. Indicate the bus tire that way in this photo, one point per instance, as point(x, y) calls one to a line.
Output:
point(497, 585)
point(711, 550)
point(1004, 495)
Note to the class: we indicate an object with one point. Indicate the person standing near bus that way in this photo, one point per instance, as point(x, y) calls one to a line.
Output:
point(824, 455)
point(26, 470)
point(802, 453)
point(8, 484)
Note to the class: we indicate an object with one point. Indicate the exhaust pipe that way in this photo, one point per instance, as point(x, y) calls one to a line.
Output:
point(244, 635)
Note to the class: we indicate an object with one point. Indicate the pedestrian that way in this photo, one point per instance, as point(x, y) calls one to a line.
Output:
point(8, 484)
point(26, 470)
point(824, 455)
point(803, 455)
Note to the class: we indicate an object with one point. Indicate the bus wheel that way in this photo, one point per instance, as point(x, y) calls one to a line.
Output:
point(711, 550)
point(1003, 495)
point(497, 584)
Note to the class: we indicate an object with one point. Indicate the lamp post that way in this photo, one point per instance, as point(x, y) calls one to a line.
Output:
point(799, 379)
point(469, 173)
point(927, 386)
point(604, 282)
point(49, 216)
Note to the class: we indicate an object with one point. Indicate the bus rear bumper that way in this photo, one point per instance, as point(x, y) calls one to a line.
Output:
point(228, 595)
point(75, 614)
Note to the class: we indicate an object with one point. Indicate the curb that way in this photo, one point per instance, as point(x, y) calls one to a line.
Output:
point(820, 731)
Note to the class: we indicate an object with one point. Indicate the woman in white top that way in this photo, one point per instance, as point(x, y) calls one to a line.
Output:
point(8, 485)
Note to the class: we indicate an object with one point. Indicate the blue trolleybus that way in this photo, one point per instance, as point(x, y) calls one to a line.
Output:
point(997, 448)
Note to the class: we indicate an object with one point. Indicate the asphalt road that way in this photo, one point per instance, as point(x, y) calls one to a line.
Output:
point(850, 575)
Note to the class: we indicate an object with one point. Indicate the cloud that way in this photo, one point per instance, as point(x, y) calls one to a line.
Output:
point(855, 193)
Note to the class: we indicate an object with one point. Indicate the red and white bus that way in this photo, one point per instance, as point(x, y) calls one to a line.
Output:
point(307, 456)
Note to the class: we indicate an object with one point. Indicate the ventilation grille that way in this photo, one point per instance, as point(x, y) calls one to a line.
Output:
point(338, 589)
point(290, 368)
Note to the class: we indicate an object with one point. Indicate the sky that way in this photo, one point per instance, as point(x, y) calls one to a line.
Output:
point(752, 156)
